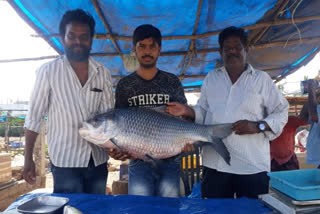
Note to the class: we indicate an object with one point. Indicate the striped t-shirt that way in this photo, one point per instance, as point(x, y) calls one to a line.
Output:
point(59, 95)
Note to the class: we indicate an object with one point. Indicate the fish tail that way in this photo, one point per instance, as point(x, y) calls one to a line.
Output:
point(217, 133)
point(221, 130)
point(221, 148)
point(218, 145)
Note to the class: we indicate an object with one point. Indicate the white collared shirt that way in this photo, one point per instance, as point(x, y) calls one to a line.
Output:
point(252, 97)
point(59, 95)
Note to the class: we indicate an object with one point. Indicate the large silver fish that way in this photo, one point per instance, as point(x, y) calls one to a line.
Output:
point(146, 133)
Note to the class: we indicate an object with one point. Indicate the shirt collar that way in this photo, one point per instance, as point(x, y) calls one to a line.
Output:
point(94, 66)
point(249, 69)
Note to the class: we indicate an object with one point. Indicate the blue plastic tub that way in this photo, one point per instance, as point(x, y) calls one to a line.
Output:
point(301, 184)
point(15, 144)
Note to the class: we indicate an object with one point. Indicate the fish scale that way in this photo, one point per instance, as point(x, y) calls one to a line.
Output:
point(142, 131)
point(153, 127)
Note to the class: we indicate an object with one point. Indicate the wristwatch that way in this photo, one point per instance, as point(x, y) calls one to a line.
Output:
point(261, 126)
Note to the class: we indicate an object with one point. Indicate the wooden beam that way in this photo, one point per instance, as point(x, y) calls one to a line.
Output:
point(193, 91)
point(258, 46)
point(28, 59)
point(263, 31)
point(286, 43)
point(181, 53)
point(203, 35)
point(297, 66)
point(269, 69)
point(297, 100)
point(173, 53)
point(200, 76)
point(106, 25)
point(191, 47)
point(281, 22)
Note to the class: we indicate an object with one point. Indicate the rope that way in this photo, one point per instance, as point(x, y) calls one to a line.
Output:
point(293, 22)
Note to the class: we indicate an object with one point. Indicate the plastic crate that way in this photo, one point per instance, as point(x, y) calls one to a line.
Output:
point(299, 184)
point(15, 144)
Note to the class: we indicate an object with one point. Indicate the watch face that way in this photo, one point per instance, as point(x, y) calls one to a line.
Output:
point(262, 127)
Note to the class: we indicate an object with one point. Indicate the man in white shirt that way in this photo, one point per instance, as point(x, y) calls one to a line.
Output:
point(237, 93)
point(70, 90)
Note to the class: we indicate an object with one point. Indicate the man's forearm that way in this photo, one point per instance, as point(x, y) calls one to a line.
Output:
point(304, 113)
point(31, 138)
point(312, 102)
point(190, 113)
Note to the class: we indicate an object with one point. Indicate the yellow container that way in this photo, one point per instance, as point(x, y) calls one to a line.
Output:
point(189, 162)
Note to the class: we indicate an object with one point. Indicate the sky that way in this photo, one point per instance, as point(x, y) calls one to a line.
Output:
point(17, 79)
point(292, 82)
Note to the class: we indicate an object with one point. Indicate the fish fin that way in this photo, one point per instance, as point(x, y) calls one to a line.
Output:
point(219, 146)
point(221, 130)
point(153, 162)
point(200, 144)
point(160, 109)
point(114, 142)
point(158, 161)
point(179, 156)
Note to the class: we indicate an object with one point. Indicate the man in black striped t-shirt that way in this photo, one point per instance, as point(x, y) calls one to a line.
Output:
point(150, 87)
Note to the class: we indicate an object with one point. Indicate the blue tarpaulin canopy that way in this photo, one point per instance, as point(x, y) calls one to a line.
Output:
point(283, 34)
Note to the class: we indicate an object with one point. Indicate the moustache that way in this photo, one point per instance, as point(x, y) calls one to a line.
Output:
point(80, 54)
point(232, 55)
point(78, 46)
point(147, 56)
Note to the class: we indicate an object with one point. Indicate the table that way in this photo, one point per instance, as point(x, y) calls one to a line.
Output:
point(109, 204)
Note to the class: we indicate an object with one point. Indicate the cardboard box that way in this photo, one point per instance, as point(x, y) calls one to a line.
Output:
point(5, 167)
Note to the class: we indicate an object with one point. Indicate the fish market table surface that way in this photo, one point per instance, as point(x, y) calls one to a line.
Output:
point(88, 203)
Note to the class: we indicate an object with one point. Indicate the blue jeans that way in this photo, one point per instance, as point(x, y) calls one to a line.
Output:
point(164, 182)
point(89, 179)
point(313, 144)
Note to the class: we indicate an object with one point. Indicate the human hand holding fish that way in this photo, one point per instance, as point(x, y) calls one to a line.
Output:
point(179, 109)
point(243, 127)
point(124, 155)
point(120, 155)
point(188, 148)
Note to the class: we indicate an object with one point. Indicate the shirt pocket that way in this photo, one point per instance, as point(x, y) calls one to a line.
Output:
point(94, 98)
point(252, 105)
point(217, 108)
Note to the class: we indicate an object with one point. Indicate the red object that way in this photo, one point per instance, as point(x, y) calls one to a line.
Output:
point(301, 146)
point(282, 148)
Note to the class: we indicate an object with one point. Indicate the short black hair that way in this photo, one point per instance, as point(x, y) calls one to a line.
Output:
point(233, 31)
point(78, 16)
point(146, 31)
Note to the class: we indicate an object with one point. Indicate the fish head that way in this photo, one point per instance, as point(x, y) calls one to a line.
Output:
point(98, 130)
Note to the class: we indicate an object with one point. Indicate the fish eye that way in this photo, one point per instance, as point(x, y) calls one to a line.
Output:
point(98, 119)
point(96, 123)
